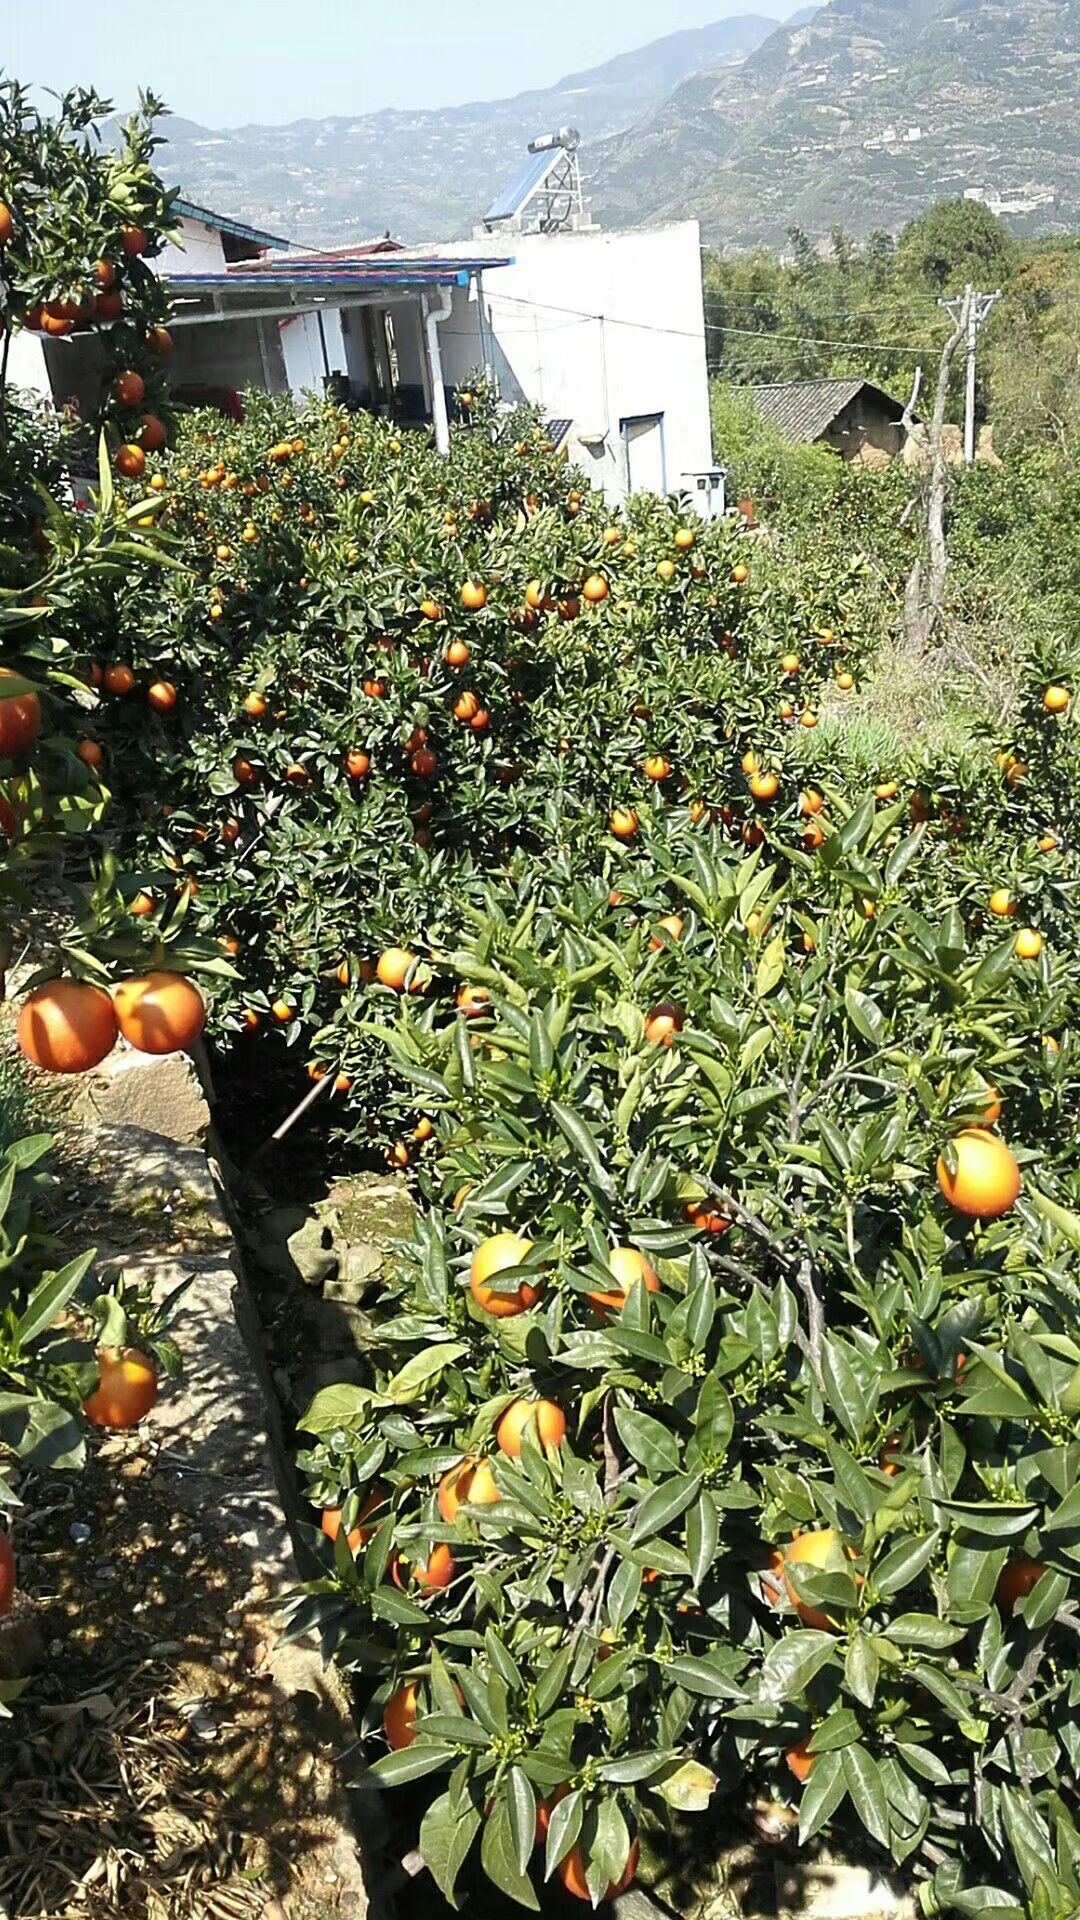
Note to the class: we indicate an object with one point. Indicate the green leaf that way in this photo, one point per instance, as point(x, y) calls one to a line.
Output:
point(923, 1630)
point(411, 1763)
point(822, 1794)
point(770, 967)
point(861, 1668)
point(552, 1681)
point(50, 1298)
point(702, 1536)
point(499, 1858)
point(522, 1816)
point(690, 1788)
point(663, 1505)
point(446, 1835)
point(865, 1016)
point(704, 1676)
point(336, 1407)
point(842, 1388)
point(792, 1662)
point(866, 1792)
point(564, 1827)
point(422, 1369)
point(904, 1563)
point(575, 1131)
point(654, 1446)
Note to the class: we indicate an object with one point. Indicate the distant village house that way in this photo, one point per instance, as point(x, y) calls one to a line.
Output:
point(860, 421)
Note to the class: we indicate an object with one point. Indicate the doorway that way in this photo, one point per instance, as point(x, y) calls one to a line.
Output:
point(644, 454)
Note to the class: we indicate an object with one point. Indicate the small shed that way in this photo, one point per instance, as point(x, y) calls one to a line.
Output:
point(857, 419)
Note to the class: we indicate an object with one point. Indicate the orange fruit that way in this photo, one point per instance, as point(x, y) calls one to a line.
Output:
point(357, 763)
point(808, 1550)
point(808, 718)
point(283, 1012)
point(436, 1573)
point(492, 1257)
point(547, 1421)
point(571, 1871)
point(7, 1562)
point(6, 225)
point(131, 389)
point(629, 1268)
point(470, 1483)
point(1016, 1580)
point(887, 790)
point(665, 571)
point(152, 434)
point(399, 1717)
point(142, 904)
point(845, 681)
point(133, 240)
point(457, 654)
point(764, 786)
point(595, 589)
point(90, 753)
point(255, 704)
point(672, 923)
point(250, 1020)
point(684, 539)
point(393, 966)
point(127, 1389)
point(359, 1535)
point(987, 1178)
point(67, 1026)
point(161, 1012)
point(20, 719)
point(663, 1024)
point(1056, 699)
point(473, 596)
point(1002, 903)
point(466, 706)
point(473, 1001)
point(1047, 842)
point(424, 763)
point(656, 767)
point(740, 574)
point(161, 695)
point(750, 762)
point(1029, 944)
point(130, 460)
point(801, 1760)
point(431, 609)
point(624, 823)
point(790, 663)
point(119, 678)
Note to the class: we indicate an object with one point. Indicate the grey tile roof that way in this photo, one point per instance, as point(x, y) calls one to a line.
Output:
point(804, 409)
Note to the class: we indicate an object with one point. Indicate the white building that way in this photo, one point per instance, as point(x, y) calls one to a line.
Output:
point(604, 331)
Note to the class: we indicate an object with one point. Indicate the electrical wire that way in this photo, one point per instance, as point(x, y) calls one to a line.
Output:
point(687, 333)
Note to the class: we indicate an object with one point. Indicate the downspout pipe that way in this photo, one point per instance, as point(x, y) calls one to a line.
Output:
point(433, 315)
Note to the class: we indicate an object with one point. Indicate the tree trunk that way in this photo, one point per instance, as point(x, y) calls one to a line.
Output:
point(924, 593)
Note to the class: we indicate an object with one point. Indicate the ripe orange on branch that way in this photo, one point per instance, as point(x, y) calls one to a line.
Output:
point(67, 1026)
point(126, 1391)
point(546, 1421)
point(630, 1269)
point(987, 1179)
point(470, 1483)
point(499, 1254)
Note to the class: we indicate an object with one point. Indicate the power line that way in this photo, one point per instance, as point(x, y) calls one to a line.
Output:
point(712, 326)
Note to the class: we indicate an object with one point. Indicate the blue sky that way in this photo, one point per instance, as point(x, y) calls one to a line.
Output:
point(230, 61)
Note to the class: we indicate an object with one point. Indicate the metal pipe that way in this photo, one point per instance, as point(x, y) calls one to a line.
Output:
point(432, 317)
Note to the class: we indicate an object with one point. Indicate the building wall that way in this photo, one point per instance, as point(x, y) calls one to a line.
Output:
point(598, 328)
point(862, 424)
point(201, 252)
point(228, 353)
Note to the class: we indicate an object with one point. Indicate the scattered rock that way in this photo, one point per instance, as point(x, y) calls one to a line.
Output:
point(157, 1095)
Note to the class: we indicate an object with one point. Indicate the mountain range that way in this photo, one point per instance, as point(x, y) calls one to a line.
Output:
point(428, 175)
point(860, 117)
point(858, 114)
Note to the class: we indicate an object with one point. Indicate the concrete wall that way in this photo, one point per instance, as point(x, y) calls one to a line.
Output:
point(228, 353)
point(599, 328)
point(201, 252)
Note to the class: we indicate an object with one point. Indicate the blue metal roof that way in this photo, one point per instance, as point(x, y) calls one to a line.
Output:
point(224, 224)
point(371, 272)
point(510, 202)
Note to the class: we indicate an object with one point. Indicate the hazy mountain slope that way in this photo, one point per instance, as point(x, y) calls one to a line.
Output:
point(861, 116)
point(428, 175)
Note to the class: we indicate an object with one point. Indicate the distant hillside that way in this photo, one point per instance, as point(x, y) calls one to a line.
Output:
point(428, 175)
point(859, 117)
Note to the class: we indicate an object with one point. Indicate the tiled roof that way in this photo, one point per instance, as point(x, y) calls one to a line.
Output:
point(224, 223)
point(804, 409)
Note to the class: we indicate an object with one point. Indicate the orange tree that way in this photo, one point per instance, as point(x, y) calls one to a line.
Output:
point(722, 1419)
point(393, 674)
point(77, 225)
point(67, 226)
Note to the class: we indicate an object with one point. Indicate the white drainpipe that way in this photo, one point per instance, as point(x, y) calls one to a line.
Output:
point(432, 317)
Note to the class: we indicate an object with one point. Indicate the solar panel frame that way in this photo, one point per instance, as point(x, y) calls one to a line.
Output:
point(510, 202)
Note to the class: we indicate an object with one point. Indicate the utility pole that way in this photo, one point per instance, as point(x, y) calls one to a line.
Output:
point(970, 310)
